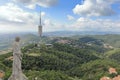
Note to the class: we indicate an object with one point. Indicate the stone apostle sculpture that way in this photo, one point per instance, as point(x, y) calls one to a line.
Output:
point(17, 73)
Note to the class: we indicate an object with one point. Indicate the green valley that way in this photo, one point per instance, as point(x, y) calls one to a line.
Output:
point(65, 58)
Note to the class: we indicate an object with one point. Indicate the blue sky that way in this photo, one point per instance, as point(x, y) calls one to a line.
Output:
point(60, 15)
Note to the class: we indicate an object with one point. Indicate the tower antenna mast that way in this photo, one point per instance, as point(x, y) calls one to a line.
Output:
point(40, 18)
point(40, 25)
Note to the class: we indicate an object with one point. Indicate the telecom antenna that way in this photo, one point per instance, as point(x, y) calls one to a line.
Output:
point(40, 18)
point(40, 26)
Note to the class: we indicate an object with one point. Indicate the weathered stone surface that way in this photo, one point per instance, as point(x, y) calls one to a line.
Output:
point(0, 79)
point(17, 73)
point(20, 76)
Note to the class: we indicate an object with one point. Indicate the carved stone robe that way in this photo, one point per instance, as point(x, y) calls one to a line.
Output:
point(17, 58)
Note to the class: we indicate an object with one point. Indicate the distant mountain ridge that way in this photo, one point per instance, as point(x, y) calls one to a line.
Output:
point(6, 39)
point(71, 33)
point(62, 33)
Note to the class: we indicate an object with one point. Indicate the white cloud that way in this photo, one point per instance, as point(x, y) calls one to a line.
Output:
point(32, 3)
point(50, 25)
point(95, 8)
point(86, 24)
point(43, 13)
point(30, 6)
point(47, 3)
point(14, 18)
point(70, 17)
point(12, 13)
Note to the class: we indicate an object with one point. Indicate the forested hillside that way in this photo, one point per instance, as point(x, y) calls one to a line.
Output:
point(65, 58)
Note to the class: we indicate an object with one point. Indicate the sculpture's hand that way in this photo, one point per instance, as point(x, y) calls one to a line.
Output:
point(21, 56)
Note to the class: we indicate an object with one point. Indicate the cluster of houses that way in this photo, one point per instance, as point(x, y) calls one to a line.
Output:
point(111, 71)
point(2, 74)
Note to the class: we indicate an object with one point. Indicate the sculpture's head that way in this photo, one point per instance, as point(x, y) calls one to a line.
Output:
point(17, 39)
